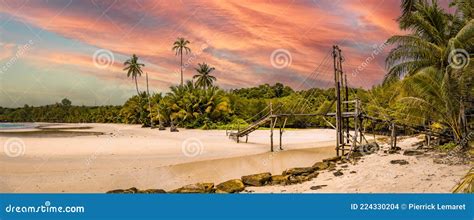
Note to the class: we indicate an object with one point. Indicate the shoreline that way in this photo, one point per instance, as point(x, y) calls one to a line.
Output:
point(130, 156)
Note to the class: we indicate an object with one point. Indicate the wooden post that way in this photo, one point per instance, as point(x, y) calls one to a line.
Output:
point(346, 98)
point(246, 138)
point(336, 54)
point(356, 125)
point(149, 103)
point(361, 128)
point(237, 135)
point(281, 132)
point(393, 137)
point(271, 127)
point(271, 134)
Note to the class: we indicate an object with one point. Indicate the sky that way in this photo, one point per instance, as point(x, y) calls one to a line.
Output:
point(52, 49)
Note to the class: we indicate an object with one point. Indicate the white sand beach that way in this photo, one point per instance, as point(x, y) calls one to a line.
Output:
point(131, 156)
point(375, 174)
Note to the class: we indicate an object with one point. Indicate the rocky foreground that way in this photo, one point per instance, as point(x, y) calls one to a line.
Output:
point(410, 168)
point(288, 177)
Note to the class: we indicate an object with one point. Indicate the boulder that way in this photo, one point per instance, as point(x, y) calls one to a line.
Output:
point(338, 173)
point(299, 171)
point(131, 190)
point(369, 148)
point(312, 176)
point(230, 186)
point(317, 187)
point(174, 129)
point(332, 159)
point(401, 162)
point(412, 153)
point(296, 179)
point(152, 191)
point(321, 165)
point(196, 188)
point(257, 179)
point(279, 180)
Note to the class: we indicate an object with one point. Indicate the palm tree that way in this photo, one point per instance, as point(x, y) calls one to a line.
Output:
point(434, 35)
point(134, 69)
point(178, 46)
point(204, 79)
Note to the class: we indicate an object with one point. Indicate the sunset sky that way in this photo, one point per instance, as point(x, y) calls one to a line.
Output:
point(47, 47)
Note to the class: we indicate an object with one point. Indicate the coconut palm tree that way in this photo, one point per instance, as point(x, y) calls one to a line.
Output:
point(134, 69)
point(178, 46)
point(204, 79)
point(434, 36)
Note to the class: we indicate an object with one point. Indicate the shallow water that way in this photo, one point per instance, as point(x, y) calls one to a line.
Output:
point(11, 126)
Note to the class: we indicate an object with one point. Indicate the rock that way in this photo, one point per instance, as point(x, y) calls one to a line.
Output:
point(332, 166)
point(332, 159)
point(299, 171)
point(394, 150)
point(196, 188)
point(317, 187)
point(321, 165)
point(312, 176)
point(338, 173)
point(412, 153)
point(401, 162)
point(131, 190)
point(296, 179)
point(356, 154)
point(174, 129)
point(231, 186)
point(353, 171)
point(257, 179)
point(367, 148)
point(345, 166)
point(152, 191)
point(279, 180)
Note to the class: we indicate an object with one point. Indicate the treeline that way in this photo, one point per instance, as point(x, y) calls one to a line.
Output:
point(188, 106)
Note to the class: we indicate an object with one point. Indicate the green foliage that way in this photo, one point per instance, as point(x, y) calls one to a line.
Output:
point(446, 147)
point(59, 113)
point(204, 79)
point(434, 87)
point(264, 91)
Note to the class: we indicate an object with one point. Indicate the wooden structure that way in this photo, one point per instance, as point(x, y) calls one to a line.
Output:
point(346, 110)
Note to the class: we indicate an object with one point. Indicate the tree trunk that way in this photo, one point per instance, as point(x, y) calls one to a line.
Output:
point(136, 86)
point(149, 102)
point(181, 52)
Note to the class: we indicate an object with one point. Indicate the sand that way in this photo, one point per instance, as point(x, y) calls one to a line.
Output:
point(131, 156)
point(375, 174)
